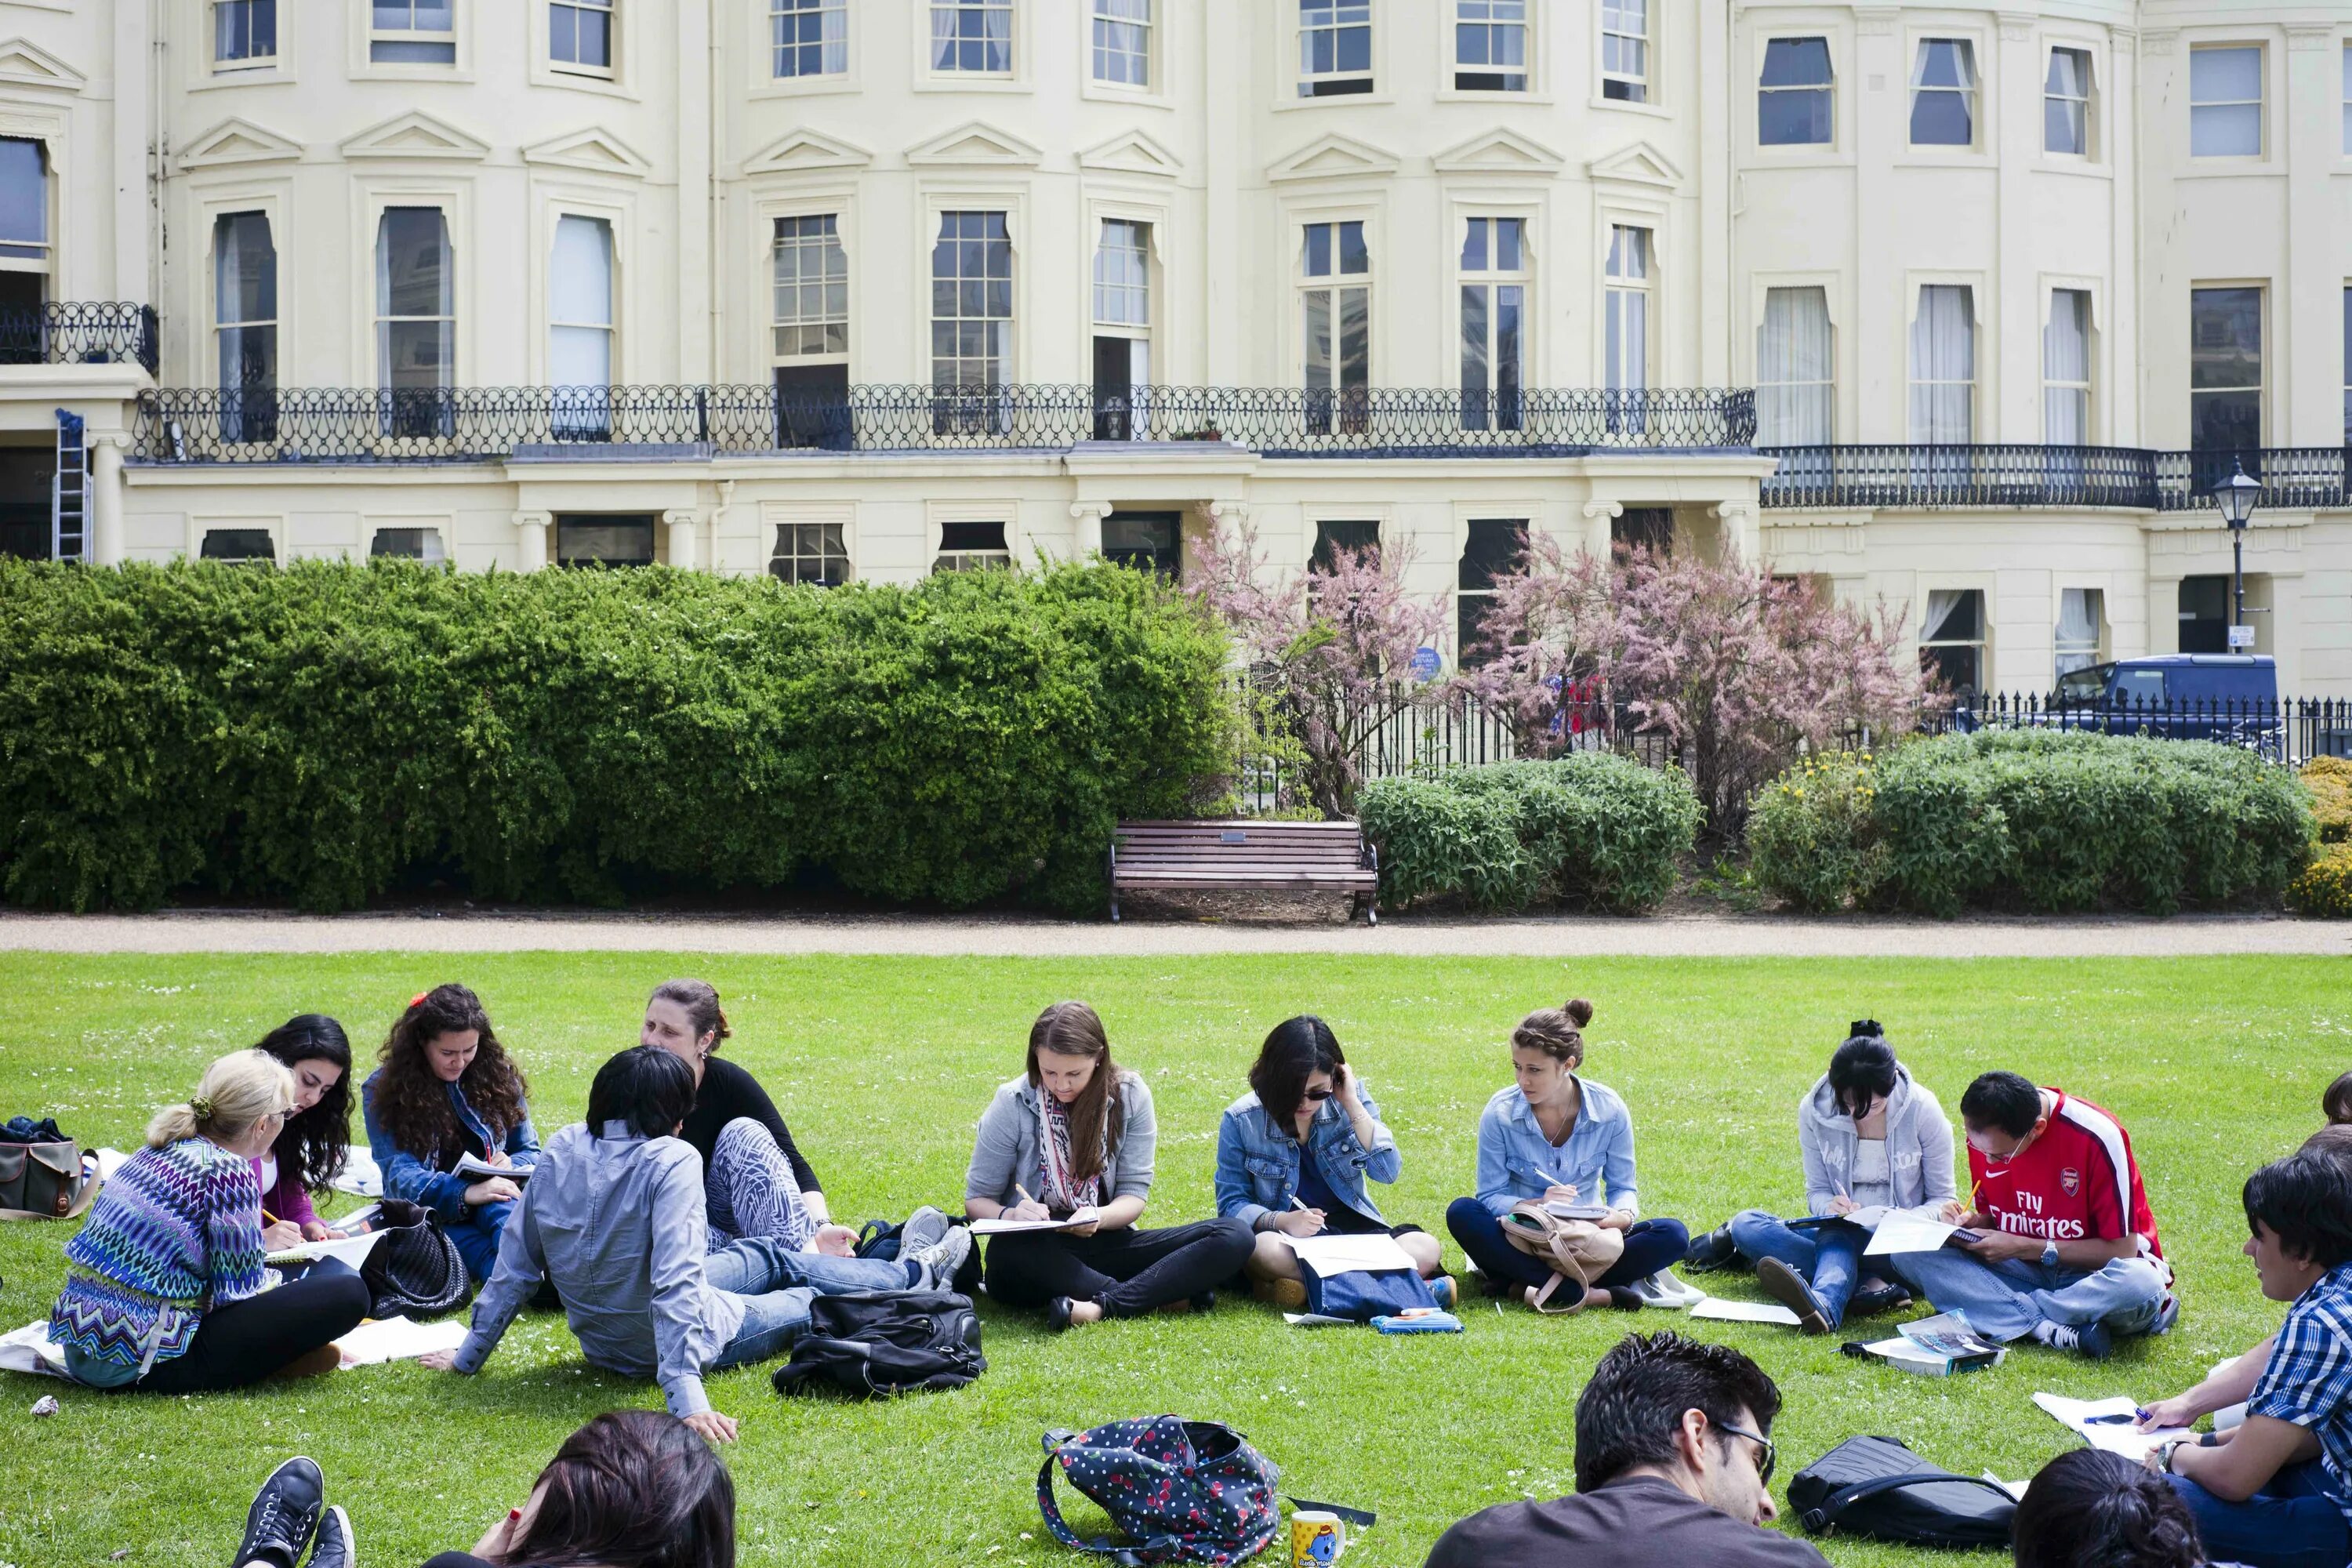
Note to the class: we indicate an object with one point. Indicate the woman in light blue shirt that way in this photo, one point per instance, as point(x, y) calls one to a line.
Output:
point(1293, 1156)
point(1556, 1137)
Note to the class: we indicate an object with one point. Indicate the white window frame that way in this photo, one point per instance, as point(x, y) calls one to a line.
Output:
point(1829, 42)
point(375, 322)
point(1345, 15)
point(2085, 654)
point(1493, 279)
point(1333, 285)
point(2261, 101)
point(777, 516)
point(45, 263)
point(926, 36)
point(939, 514)
point(1526, 514)
point(1096, 18)
point(1974, 94)
point(238, 65)
point(1764, 286)
point(778, 358)
point(1919, 284)
point(1981, 642)
point(611, 325)
point(766, 83)
point(2347, 57)
point(220, 328)
point(202, 523)
point(2087, 388)
point(1529, 22)
point(1644, 87)
point(611, 71)
point(2268, 361)
point(2087, 102)
point(367, 36)
point(434, 523)
point(936, 209)
point(1621, 289)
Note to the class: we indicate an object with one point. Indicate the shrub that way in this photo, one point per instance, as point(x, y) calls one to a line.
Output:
point(2325, 887)
point(2042, 819)
point(1591, 828)
point(2329, 779)
point(330, 731)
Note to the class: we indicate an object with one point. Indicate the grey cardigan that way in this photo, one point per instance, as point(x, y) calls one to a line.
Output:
point(1918, 1147)
point(1006, 1150)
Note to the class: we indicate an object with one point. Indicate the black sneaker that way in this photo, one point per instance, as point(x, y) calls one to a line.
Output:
point(1874, 1299)
point(2090, 1340)
point(1786, 1286)
point(284, 1515)
point(1710, 1252)
point(335, 1548)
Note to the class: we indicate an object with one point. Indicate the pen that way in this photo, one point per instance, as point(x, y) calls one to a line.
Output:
point(1296, 1202)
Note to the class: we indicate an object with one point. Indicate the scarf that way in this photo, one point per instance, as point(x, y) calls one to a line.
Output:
point(1061, 1196)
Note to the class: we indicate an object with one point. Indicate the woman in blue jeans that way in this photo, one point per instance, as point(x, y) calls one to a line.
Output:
point(1871, 1138)
point(1557, 1137)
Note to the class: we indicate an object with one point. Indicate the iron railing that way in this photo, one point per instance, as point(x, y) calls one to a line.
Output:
point(70, 331)
point(2288, 730)
point(1904, 475)
point(472, 423)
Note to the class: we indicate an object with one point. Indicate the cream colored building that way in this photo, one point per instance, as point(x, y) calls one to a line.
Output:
point(1989, 286)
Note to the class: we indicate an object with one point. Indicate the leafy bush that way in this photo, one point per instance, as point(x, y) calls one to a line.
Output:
point(2325, 887)
point(2042, 819)
point(1591, 828)
point(2329, 779)
point(330, 731)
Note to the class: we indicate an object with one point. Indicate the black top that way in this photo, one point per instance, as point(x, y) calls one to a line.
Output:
point(1640, 1521)
point(727, 1091)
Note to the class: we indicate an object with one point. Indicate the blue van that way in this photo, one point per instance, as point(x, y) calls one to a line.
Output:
point(2231, 698)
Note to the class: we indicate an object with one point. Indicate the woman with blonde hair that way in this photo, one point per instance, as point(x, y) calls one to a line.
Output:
point(165, 1286)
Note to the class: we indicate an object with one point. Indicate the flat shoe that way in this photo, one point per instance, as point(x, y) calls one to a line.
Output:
point(1786, 1286)
point(1057, 1315)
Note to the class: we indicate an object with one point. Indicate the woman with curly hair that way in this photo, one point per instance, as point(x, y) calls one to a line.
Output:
point(2091, 1509)
point(311, 1149)
point(445, 1090)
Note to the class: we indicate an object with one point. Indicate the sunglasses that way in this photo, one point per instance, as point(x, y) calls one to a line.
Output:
point(1316, 1095)
point(1771, 1454)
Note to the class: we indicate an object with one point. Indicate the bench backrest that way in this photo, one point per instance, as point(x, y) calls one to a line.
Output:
point(1302, 845)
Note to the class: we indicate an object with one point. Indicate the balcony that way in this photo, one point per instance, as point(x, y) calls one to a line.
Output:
point(79, 333)
point(320, 425)
point(1900, 475)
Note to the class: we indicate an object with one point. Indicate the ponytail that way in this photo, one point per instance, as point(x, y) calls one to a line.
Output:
point(236, 1091)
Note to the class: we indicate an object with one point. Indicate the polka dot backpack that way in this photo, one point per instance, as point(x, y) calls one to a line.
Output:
point(1180, 1491)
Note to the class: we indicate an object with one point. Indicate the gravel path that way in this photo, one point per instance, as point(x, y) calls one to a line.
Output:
point(1673, 936)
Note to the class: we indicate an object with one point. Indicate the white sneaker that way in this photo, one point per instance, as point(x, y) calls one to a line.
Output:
point(1662, 1289)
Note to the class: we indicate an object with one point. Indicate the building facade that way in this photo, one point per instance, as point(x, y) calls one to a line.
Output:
point(1960, 309)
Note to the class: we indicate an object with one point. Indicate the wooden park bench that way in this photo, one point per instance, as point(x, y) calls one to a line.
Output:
point(1206, 855)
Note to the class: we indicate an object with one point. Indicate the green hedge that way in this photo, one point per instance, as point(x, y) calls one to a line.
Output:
point(330, 731)
point(1592, 829)
point(2038, 819)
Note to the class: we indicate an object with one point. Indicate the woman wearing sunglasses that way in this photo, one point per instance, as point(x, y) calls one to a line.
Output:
point(1292, 1155)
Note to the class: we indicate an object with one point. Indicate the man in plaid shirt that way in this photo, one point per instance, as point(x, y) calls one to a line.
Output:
point(2277, 1491)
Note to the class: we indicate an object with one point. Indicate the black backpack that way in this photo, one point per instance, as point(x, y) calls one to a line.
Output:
point(1878, 1488)
point(416, 1271)
point(901, 1342)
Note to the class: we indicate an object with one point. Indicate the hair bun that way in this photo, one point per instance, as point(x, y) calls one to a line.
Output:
point(1578, 1010)
point(1864, 1029)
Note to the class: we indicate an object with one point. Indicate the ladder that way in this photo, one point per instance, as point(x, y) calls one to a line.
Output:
point(69, 493)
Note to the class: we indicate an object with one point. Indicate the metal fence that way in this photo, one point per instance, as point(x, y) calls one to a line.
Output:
point(66, 331)
point(1902, 475)
point(323, 425)
point(2288, 730)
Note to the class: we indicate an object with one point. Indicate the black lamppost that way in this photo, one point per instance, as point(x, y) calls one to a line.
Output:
point(2235, 495)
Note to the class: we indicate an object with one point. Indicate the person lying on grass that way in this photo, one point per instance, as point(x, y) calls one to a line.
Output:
point(613, 1218)
point(1074, 1138)
point(632, 1488)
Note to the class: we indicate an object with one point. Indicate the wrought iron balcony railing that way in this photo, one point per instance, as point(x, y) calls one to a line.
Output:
point(317, 425)
point(1899, 475)
point(69, 332)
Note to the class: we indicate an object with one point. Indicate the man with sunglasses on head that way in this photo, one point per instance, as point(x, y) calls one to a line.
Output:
point(1672, 1457)
point(2065, 1249)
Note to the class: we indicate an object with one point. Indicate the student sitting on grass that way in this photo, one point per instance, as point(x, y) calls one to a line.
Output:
point(2336, 1102)
point(632, 1489)
point(1557, 1137)
point(2066, 1250)
point(1870, 1138)
point(1292, 1155)
point(311, 1149)
point(613, 1218)
point(2276, 1492)
point(2091, 1509)
point(1674, 1460)
point(1075, 1136)
point(447, 1089)
point(165, 1286)
point(754, 1181)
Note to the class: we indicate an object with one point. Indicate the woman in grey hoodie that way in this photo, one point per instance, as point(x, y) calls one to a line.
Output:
point(1872, 1140)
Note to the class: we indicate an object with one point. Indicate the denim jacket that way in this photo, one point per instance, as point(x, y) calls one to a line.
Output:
point(423, 1177)
point(1258, 1162)
point(1515, 1161)
point(1006, 1149)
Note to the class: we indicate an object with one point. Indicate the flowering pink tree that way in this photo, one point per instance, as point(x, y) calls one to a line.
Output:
point(1333, 649)
point(1736, 670)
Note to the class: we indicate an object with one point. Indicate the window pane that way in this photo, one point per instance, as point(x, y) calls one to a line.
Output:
point(1319, 250)
point(413, 272)
point(2225, 76)
point(246, 268)
point(1495, 548)
point(1353, 257)
point(580, 290)
point(2225, 338)
point(1793, 369)
point(1474, 247)
point(23, 195)
point(2226, 130)
point(1509, 244)
point(1797, 62)
point(1474, 338)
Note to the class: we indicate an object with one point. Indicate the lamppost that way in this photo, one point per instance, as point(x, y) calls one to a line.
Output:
point(2235, 495)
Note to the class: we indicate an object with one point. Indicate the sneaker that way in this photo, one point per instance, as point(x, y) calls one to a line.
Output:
point(1786, 1286)
point(335, 1548)
point(1873, 1300)
point(1710, 1252)
point(2090, 1340)
point(284, 1515)
point(1290, 1295)
point(941, 1259)
point(1446, 1291)
point(924, 1227)
point(2167, 1314)
point(1662, 1289)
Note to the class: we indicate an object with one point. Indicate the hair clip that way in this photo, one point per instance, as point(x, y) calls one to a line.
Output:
point(1862, 1028)
point(418, 1000)
point(202, 1106)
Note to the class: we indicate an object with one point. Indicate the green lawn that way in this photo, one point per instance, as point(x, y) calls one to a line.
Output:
point(882, 1064)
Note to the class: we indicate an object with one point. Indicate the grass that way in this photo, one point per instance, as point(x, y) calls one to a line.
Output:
point(882, 1064)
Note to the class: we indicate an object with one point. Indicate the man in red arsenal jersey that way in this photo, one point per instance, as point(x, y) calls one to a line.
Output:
point(2067, 1248)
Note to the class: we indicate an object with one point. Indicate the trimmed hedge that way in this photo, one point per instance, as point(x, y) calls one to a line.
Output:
point(2329, 779)
point(330, 731)
point(2039, 819)
point(1590, 828)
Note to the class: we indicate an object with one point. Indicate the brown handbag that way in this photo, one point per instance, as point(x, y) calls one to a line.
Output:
point(1578, 1250)
point(46, 1180)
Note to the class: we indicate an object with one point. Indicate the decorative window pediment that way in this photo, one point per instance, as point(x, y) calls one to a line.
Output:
point(29, 65)
point(416, 134)
point(975, 144)
point(234, 141)
point(1333, 156)
point(1500, 153)
point(597, 152)
point(1640, 165)
point(1134, 154)
point(807, 150)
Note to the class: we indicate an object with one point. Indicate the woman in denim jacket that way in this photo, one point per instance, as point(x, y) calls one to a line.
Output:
point(1305, 1100)
point(448, 1089)
point(1555, 1137)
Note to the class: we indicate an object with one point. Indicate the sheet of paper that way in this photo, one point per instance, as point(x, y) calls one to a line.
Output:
point(2123, 1437)
point(109, 1162)
point(483, 1170)
point(1577, 1211)
point(353, 1251)
point(1016, 1226)
point(399, 1339)
point(1332, 1255)
point(1908, 1233)
point(361, 1175)
point(28, 1350)
point(1744, 1311)
point(2014, 1488)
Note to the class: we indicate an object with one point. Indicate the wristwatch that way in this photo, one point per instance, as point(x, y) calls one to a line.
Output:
point(2048, 1254)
